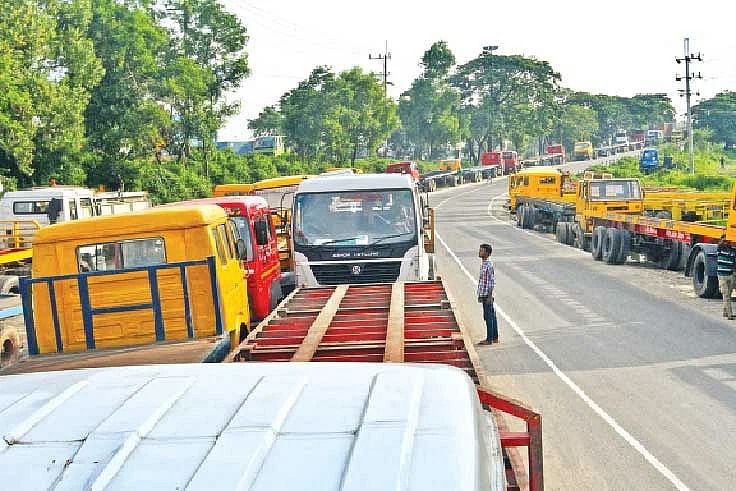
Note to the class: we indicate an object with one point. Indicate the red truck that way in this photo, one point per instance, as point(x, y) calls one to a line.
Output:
point(393, 323)
point(252, 215)
point(510, 160)
point(557, 153)
point(404, 167)
point(492, 159)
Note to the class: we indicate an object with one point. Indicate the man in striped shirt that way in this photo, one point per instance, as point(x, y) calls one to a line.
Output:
point(726, 262)
point(486, 282)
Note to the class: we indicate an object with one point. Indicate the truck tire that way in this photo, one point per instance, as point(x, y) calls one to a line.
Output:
point(558, 232)
point(579, 237)
point(460, 180)
point(529, 219)
point(596, 248)
point(624, 247)
point(451, 181)
point(570, 228)
point(519, 216)
point(705, 285)
point(670, 259)
point(611, 245)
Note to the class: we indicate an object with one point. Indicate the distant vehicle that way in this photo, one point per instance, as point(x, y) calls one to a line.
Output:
point(621, 138)
point(54, 204)
point(583, 151)
point(556, 153)
point(407, 167)
point(654, 137)
point(649, 160)
point(510, 160)
point(271, 145)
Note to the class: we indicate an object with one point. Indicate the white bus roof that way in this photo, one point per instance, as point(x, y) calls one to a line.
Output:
point(258, 426)
point(355, 182)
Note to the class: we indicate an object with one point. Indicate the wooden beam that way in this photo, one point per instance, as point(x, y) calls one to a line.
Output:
point(319, 326)
point(394, 352)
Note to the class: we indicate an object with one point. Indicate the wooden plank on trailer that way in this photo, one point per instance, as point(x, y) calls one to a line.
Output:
point(394, 352)
point(319, 326)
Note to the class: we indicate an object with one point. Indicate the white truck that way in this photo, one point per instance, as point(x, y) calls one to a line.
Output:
point(352, 229)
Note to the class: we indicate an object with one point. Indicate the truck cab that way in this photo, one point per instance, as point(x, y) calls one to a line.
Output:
point(492, 159)
point(596, 197)
point(510, 161)
point(583, 151)
point(253, 219)
point(47, 205)
point(649, 160)
point(556, 153)
point(621, 138)
point(542, 184)
point(163, 274)
point(361, 229)
point(404, 167)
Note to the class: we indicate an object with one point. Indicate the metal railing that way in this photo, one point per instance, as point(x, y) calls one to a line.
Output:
point(89, 311)
point(17, 234)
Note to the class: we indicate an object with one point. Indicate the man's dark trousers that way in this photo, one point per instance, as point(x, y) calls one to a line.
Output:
point(489, 315)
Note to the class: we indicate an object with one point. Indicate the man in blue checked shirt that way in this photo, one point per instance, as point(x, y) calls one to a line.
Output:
point(726, 263)
point(486, 282)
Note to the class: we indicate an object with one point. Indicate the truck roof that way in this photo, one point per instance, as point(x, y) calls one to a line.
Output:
point(51, 192)
point(539, 171)
point(144, 221)
point(248, 200)
point(355, 182)
point(261, 426)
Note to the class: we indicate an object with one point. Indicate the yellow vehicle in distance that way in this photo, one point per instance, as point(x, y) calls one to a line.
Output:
point(583, 151)
point(161, 275)
point(542, 184)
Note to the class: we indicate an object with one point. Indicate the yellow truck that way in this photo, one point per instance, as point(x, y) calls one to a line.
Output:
point(149, 278)
point(583, 151)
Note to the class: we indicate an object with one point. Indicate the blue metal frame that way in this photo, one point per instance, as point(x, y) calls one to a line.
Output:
point(89, 312)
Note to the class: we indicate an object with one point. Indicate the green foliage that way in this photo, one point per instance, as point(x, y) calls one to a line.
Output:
point(718, 114)
point(705, 178)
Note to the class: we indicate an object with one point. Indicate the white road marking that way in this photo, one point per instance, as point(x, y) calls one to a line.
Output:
point(633, 442)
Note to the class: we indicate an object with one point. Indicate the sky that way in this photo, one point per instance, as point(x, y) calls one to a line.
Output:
point(617, 48)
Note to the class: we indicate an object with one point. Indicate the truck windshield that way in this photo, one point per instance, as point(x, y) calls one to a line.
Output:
point(277, 197)
point(615, 190)
point(354, 218)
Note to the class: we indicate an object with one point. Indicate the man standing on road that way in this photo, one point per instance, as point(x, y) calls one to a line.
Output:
point(726, 260)
point(486, 282)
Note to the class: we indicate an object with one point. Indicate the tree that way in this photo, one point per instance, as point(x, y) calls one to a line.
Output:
point(208, 52)
point(577, 123)
point(270, 120)
point(125, 120)
point(506, 97)
point(718, 114)
point(47, 69)
point(429, 109)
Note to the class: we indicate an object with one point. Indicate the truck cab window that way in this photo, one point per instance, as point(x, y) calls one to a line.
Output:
point(124, 254)
point(219, 246)
point(73, 215)
point(85, 208)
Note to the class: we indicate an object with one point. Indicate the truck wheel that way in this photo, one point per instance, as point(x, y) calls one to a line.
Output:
point(460, 180)
point(624, 247)
point(558, 232)
point(596, 249)
point(519, 216)
point(611, 245)
point(570, 229)
point(705, 285)
point(529, 219)
point(670, 259)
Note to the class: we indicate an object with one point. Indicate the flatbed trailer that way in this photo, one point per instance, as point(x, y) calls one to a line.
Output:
point(432, 180)
point(403, 322)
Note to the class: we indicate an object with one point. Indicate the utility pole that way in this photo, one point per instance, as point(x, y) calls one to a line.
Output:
point(385, 56)
point(488, 51)
point(689, 57)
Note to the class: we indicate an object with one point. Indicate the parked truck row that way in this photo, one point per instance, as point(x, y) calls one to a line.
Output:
point(171, 284)
point(615, 219)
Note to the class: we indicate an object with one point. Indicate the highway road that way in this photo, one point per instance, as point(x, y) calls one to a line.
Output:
point(634, 376)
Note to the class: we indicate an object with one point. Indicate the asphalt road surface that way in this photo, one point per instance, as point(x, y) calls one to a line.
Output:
point(634, 376)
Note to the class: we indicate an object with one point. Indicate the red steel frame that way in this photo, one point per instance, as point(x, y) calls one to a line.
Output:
point(400, 322)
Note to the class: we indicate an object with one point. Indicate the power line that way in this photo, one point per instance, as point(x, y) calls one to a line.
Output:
point(689, 58)
point(385, 56)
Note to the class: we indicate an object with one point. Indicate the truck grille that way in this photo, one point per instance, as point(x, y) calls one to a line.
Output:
point(356, 273)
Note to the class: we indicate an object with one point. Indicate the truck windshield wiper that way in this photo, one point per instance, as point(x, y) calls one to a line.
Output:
point(337, 241)
point(380, 239)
